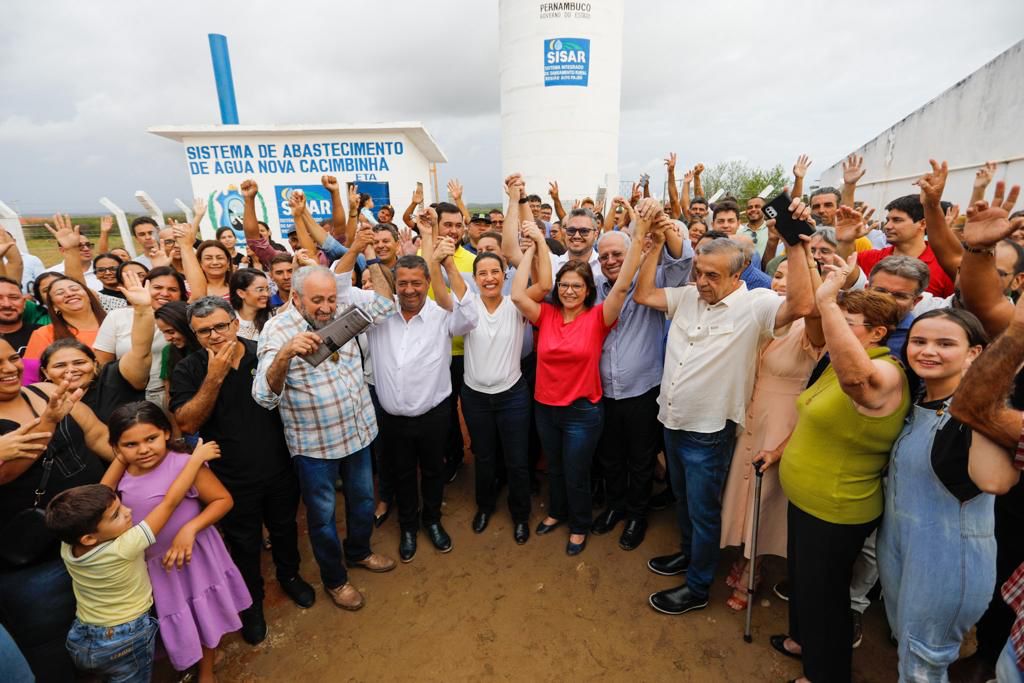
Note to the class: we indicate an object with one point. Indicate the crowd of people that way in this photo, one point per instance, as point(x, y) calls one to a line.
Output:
point(161, 419)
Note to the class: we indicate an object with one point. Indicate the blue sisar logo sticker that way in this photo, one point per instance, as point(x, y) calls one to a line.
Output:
point(566, 61)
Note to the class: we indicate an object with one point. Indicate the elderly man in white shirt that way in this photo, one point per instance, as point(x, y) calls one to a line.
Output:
point(411, 356)
point(717, 328)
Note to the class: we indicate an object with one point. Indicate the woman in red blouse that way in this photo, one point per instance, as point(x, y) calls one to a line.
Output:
point(571, 332)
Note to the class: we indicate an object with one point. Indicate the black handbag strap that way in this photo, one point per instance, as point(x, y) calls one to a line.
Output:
point(47, 459)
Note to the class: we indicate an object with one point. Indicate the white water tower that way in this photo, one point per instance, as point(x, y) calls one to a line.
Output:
point(561, 79)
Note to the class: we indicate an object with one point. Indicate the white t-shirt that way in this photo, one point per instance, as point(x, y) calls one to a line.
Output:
point(493, 348)
point(115, 336)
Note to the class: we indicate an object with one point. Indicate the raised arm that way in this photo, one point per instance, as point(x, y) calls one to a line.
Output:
point(981, 181)
point(853, 171)
point(435, 254)
point(297, 204)
point(684, 199)
point(540, 267)
point(190, 263)
point(941, 239)
point(799, 171)
point(674, 210)
point(455, 190)
point(556, 200)
point(647, 292)
point(872, 384)
point(135, 365)
point(520, 297)
point(106, 225)
point(417, 199)
point(698, 189)
point(980, 286)
point(339, 220)
point(14, 265)
point(510, 230)
point(353, 213)
point(799, 299)
point(68, 238)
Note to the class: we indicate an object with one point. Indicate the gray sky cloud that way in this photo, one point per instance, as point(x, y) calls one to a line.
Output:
point(749, 80)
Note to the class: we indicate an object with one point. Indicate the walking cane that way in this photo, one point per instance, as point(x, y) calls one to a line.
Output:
point(753, 552)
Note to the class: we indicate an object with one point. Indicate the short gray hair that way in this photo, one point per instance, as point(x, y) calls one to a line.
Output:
point(625, 238)
point(203, 308)
point(724, 246)
point(303, 273)
point(827, 233)
point(906, 267)
point(582, 212)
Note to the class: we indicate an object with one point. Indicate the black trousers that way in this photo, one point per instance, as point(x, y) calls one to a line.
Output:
point(385, 488)
point(273, 503)
point(627, 450)
point(821, 557)
point(409, 442)
point(994, 626)
point(528, 365)
point(454, 452)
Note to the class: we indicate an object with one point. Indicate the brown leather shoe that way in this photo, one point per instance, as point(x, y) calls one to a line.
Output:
point(346, 597)
point(375, 563)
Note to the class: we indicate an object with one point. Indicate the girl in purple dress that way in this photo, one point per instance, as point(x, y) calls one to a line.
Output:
point(197, 590)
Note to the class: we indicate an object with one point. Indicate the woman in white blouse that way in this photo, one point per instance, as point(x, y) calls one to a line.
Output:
point(496, 401)
point(250, 297)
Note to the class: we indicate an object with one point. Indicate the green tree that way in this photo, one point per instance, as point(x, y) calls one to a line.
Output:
point(743, 181)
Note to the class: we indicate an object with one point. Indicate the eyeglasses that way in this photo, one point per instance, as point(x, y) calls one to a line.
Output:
point(609, 256)
point(583, 232)
point(574, 286)
point(107, 269)
point(219, 328)
point(169, 243)
point(85, 245)
point(899, 296)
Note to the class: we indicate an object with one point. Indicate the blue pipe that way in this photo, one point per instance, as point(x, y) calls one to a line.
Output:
point(222, 73)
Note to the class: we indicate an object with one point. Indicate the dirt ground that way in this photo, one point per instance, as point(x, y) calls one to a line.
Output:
point(494, 611)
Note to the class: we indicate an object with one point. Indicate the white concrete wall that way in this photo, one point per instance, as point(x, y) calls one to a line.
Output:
point(979, 119)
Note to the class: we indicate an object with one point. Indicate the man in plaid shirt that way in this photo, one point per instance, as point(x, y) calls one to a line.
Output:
point(327, 413)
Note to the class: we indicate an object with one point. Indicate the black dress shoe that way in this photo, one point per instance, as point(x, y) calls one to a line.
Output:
point(633, 534)
point(661, 501)
point(254, 626)
point(378, 520)
point(572, 549)
point(521, 532)
point(677, 600)
point(669, 565)
point(543, 528)
point(480, 520)
point(779, 643)
point(407, 546)
point(606, 521)
point(439, 537)
point(301, 593)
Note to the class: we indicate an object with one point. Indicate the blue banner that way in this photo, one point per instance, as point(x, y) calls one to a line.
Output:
point(566, 61)
point(318, 202)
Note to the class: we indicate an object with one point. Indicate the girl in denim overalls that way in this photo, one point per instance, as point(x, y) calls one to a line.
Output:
point(936, 548)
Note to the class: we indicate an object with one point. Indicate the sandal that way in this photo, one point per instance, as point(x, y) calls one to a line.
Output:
point(733, 580)
point(738, 601)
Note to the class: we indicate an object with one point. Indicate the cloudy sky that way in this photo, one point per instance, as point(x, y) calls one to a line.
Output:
point(81, 81)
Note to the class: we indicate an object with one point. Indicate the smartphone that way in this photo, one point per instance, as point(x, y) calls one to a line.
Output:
point(789, 228)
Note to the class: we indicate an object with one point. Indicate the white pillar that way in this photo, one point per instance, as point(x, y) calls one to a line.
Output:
point(150, 206)
point(186, 208)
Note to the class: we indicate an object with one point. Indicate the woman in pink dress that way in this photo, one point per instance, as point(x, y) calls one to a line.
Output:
point(197, 589)
point(785, 365)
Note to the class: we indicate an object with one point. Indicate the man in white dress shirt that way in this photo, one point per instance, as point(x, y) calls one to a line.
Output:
point(411, 355)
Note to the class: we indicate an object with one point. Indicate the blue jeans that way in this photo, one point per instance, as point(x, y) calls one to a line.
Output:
point(569, 435)
point(37, 605)
point(13, 667)
point(698, 464)
point(500, 420)
point(121, 654)
point(316, 480)
point(1006, 667)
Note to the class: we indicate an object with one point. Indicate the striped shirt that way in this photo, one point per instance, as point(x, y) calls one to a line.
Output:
point(326, 410)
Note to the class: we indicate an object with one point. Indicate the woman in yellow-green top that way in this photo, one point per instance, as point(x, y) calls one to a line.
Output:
point(831, 470)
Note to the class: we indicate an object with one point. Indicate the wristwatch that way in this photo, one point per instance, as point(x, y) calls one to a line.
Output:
point(372, 261)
